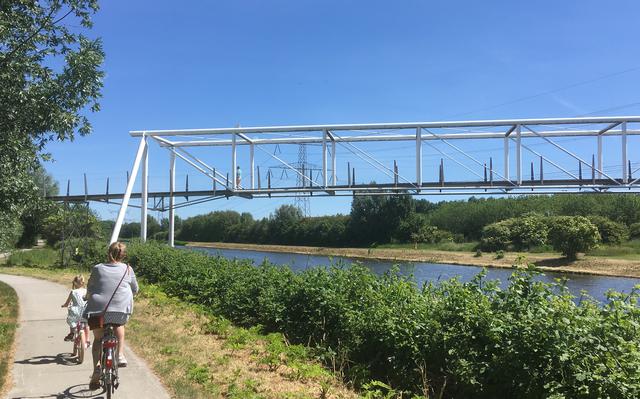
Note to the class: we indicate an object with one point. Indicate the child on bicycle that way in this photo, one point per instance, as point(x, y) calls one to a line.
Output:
point(76, 303)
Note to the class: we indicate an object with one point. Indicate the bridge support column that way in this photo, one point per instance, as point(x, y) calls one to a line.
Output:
point(127, 195)
point(506, 159)
point(145, 191)
point(419, 156)
point(625, 176)
point(325, 178)
point(252, 162)
point(172, 186)
point(518, 155)
point(233, 162)
point(334, 176)
point(599, 156)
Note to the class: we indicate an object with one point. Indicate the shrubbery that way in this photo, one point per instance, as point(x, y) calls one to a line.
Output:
point(610, 232)
point(464, 340)
point(634, 230)
point(567, 234)
point(572, 234)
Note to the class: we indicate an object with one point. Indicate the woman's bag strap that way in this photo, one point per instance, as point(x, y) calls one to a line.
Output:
point(114, 292)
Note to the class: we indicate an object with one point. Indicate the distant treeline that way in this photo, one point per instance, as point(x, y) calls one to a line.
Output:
point(379, 220)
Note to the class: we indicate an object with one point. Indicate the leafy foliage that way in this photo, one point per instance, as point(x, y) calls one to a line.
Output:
point(452, 339)
point(572, 234)
point(610, 232)
point(49, 74)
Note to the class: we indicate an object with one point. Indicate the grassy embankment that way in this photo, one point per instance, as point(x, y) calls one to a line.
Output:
point(622, 260)
point(8, 324)
point(197, 355)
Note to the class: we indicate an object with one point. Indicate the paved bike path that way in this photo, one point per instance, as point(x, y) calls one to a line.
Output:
point(43, 367)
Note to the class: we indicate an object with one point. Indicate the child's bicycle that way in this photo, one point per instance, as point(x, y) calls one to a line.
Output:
point(79, 341)
point(109, 361)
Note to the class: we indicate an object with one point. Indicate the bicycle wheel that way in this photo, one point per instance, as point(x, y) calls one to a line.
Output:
point(81, 345)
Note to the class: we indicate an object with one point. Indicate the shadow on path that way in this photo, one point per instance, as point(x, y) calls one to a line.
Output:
point(63, 359)
point(73, 392)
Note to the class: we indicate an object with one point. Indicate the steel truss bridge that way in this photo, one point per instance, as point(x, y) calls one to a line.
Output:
point(499, 174)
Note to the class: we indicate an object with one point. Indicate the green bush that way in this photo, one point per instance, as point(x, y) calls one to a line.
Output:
point(610, 232)
point(530, 340)
point(634, 230)
point(528, 231)
point(572, 234)
point(496, 237)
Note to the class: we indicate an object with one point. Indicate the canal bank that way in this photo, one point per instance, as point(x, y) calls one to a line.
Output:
point(549, 262)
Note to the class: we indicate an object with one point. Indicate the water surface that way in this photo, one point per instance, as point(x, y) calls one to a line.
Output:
point(595, 286)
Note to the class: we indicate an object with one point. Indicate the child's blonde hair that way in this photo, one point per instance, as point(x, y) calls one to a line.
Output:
point(117, 251)
point(78, 281)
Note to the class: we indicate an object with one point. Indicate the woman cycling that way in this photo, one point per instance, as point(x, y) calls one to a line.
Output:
point(110, 293)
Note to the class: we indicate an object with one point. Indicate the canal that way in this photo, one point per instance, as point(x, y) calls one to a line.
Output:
point(595, 286)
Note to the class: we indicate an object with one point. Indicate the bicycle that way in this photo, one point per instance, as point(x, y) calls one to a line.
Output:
point(79, 342)
point(109, 361)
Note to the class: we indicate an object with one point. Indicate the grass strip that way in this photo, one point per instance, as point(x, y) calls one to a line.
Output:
point(8, 325)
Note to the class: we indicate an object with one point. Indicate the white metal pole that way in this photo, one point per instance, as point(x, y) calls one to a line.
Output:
point(334, 176)
point(519, 154)
point(625, 176)
point(252, 162)
point(127, 194)
point(325, 178)
point(145, 191)
point(172, 185)
point(419, 156)
point(599, 156)
point(506, 159)
point(233, 161)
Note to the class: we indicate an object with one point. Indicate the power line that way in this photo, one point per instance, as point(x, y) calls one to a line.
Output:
point(570, 86)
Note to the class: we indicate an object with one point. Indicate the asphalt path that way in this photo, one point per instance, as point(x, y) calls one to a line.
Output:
point(43, 367)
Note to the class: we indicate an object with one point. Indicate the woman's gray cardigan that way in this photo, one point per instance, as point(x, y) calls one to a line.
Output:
point(103, 281)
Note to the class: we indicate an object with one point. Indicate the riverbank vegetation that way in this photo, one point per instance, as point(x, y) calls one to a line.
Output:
point(450, 340)
point(568, 224)
point(8, 325)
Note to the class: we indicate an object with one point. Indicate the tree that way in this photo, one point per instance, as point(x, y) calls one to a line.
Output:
point(39, 209)
point(572, 234)
point(283, 222)
point(611, 232)
point(49, 73)
point(528, 231)
point(634, 230)
point(496, 236)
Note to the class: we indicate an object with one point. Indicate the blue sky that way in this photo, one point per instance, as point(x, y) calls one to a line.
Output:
point(219, 64)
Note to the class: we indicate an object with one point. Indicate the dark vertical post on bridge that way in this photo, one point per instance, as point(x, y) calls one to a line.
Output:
point(107, 191)
point(86, 188)
point(349, 174)
point(630, 172)
point(353, 177)
point(259, 182)
point(491, 171)
point(593, 169)
point(532, 176)
point(580, 171)
point(395, 173)
point(186, 187)
point(541, 171)
point(441, 177)
point(484, 165)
